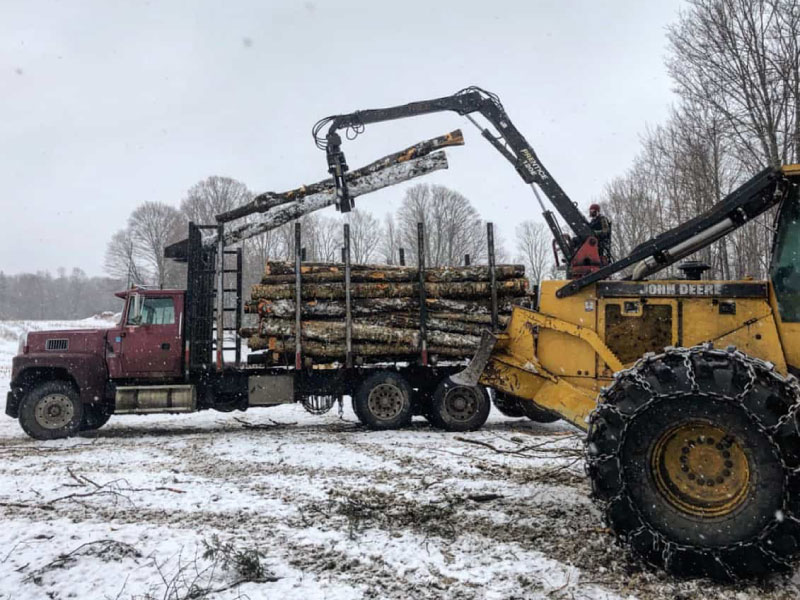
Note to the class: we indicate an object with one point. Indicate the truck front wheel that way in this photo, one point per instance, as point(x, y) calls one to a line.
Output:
point(51, 410)
point(95, 416)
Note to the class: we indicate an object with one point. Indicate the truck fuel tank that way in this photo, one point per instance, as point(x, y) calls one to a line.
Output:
point(149, 399)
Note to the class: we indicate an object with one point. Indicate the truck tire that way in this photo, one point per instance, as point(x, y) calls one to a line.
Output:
point(459, 407)
point(537, 414)
point(51, 410)
point(383, 401)
point(507, 404)
point(693, 456)
point(95, 416)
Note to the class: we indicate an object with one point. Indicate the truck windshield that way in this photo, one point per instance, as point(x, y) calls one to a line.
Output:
point(785, 269)
point(155, 311)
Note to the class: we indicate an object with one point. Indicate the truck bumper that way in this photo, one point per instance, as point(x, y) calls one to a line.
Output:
point(12, 405)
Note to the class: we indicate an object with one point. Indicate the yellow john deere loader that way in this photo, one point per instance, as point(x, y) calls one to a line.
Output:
point(685, 387)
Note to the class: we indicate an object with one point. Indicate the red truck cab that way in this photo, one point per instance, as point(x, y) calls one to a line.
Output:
point(65, 381)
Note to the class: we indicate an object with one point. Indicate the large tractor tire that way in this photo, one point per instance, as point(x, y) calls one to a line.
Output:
point(459, 407)
point(383, 401)
point(51, 410)
point(693, 456)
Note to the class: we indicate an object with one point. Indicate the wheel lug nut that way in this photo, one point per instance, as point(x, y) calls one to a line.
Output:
point(710, 441)
point(691, 476)
point(726, 473)
point(685, 450)
point(684, 468)
point(728, 463)
point(726, 454)
point(720, 479)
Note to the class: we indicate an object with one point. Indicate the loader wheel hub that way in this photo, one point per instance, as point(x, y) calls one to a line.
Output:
point(700, 469)
point(54, 411)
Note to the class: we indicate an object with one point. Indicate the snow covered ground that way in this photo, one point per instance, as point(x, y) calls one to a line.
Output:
point(277, 503)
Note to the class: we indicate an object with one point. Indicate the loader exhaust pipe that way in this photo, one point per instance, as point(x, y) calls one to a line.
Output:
point(696, 242)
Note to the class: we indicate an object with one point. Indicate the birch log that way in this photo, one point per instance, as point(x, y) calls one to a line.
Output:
point(284, 347)
point(467, 310)
point(334, 331)
point(268, 200)
point(276, 273)
point(371, 182)
point(334, 291)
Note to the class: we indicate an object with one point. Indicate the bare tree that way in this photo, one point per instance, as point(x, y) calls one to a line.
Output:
point(452, 225)
point(152, 226)
point(740, 58)
point(365, 237)
point(212, 196)
point(535, 250)
point(121, 260)
point(390, 244)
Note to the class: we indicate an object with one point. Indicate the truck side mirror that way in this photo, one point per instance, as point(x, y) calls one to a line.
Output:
point(135, 313)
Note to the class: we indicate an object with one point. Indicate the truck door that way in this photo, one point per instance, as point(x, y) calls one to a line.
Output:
point(149, 346)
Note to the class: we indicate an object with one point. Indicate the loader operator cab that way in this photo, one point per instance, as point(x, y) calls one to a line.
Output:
point(785, 268)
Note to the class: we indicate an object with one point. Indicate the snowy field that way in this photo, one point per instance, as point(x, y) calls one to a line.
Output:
point(277, 503)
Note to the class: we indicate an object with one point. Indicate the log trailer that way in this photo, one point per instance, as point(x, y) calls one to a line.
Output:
point(178, 351)
point(686, 388)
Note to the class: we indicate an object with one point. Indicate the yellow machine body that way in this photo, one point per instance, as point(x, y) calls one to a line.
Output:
point(560, 356)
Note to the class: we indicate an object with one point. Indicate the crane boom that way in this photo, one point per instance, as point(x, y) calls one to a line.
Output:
point(511, 144)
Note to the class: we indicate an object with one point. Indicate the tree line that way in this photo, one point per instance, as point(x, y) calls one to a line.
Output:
point(453, 230)
point(735, 66)
point(63, 296)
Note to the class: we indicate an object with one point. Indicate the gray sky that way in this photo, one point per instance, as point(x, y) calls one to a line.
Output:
point(104, 105)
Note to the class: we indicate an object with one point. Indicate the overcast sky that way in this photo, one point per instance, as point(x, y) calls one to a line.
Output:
point(104, 105)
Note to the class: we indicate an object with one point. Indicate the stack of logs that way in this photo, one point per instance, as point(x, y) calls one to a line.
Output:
point(385, 309)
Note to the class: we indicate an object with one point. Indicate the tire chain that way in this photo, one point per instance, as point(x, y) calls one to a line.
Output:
point(755, 367)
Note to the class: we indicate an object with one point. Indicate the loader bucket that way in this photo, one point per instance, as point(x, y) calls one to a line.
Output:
point(507, 362)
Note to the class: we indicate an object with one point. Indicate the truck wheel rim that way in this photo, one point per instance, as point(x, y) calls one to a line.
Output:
point(701, 470)
point(461, 403)
point(385, 401)
point(54, 411)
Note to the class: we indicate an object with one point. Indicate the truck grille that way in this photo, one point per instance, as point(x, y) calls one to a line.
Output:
point(56, 344)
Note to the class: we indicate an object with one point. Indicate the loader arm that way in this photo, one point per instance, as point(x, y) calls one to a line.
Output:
point(507, 140)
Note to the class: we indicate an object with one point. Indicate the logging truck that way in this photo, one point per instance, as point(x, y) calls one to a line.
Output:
point(178, 351)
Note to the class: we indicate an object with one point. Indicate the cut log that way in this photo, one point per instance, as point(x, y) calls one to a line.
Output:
point(334, 331)
point(333, 291)
point(277, 273)
point(327, 351)
point(268, 200)
point(308, 204)
point(333, 309)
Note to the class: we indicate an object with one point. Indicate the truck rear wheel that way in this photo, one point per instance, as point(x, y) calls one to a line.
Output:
point(459, 407)
point(693, 455)
point(507, 404)
point(51, 410)
point(536, 414)
point(383, 401)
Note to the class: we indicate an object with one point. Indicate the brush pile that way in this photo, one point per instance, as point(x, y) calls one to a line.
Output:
point(385, 309)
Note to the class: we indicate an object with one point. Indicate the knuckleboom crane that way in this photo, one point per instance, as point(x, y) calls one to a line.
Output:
point(581, 250)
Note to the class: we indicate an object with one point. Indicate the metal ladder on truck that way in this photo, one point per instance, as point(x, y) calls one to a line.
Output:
point(213, 300)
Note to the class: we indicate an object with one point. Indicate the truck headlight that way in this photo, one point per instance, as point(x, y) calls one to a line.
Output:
point(23, 344)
